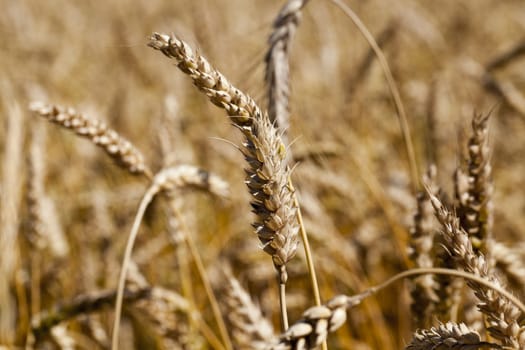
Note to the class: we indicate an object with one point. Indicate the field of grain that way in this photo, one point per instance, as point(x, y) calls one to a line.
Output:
point(162, 163)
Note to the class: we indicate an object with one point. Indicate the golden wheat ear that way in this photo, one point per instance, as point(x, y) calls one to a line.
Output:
point(502, 316)
point(121, 150)
point(264, 150)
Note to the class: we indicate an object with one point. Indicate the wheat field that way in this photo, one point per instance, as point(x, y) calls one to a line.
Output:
point(254, 174)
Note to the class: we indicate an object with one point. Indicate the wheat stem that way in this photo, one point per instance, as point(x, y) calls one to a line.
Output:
point(148, 197)
point(307, 249)
point(396, 96)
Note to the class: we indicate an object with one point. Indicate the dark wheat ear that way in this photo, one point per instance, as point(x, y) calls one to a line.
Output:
point(121, 150)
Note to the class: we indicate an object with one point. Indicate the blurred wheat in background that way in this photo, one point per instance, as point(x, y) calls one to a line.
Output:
point(358, 187)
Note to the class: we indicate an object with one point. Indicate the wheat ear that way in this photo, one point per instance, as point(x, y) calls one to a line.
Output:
point(475, 209)
point(120, 149)
point(277, 74)
point(502, 315)
point(449, 336)
point(267, 173)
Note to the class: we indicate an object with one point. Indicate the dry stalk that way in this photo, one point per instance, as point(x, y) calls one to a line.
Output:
point(449, 336)
point(277, 74)
point(363, 68)
point(502, 316)
point(396, 96)
point(121, 150)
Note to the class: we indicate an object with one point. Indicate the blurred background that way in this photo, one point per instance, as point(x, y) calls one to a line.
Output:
point(352, 174)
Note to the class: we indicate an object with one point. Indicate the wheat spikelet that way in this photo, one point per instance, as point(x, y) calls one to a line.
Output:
point(120, 149)
point(267, 173)
point(448, 336)
point(502, 316)
point(250, 329)
point(277, 66)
